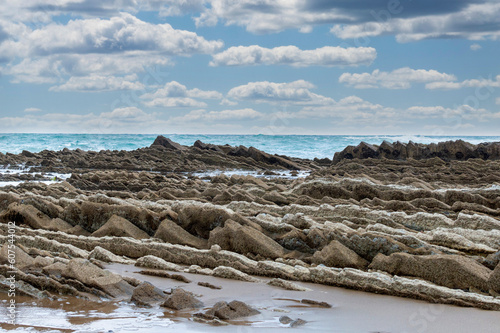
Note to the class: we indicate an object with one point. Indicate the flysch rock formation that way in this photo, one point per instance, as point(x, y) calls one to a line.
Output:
point(426, 229)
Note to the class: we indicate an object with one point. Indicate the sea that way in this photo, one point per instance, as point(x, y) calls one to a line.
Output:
point(303, 146)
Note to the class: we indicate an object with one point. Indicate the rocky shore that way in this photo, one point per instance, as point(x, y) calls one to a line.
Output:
point(408, 220)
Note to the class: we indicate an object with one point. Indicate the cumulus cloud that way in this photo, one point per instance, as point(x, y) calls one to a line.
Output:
point(174, 94)
point(296, 92)
point(116, 46)
point(474, 83)
point(115, 35)
point(409, 21)
point(32, 110)
point(99, 83)
point(473, 21)
point(397, 79)
point(293, 56)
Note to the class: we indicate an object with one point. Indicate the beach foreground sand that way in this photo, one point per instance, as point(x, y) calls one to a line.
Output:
point(415, 221)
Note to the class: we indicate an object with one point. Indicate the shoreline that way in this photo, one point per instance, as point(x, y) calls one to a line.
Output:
point(364, 222)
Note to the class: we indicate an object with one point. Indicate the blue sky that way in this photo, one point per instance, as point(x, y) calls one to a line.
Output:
point(250, 67)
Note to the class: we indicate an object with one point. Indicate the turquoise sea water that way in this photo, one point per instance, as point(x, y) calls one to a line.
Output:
point(304, 146)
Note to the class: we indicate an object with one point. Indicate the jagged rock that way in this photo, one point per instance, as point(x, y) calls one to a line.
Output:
point(167, 143)
point(336, 254)
point(494, 280)
point(452, 271)
point(181, 299)
point(207, 146)
point(276, 282)
point(171, 232)
point(148, 295)
point(107, 256)
point(13, 255)
point(150, 261)
point(55, 269)
point(119, 227)
point(244, 239)
point(93, 276)
point(29, 215)
point(232, 273)
point(231, 310)
point(449, 150)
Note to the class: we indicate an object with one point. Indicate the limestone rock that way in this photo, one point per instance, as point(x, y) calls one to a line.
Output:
point(148, 295)
point(167, 143)
point(181, 299)
point(171, 232)
point(336, 254)
point(452, 271)
point(244, 239)
point(231, 310)
point(119, 227)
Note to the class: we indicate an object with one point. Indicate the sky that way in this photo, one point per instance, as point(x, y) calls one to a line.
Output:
point(272, 67)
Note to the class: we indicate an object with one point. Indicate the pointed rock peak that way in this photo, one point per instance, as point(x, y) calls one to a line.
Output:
point(167, 143)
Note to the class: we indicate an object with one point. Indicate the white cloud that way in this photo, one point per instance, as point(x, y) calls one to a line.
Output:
point(397, 79)
point(174, 94)
point(474, 83)
point(99, 83)
point(293, 56)
point(296, 92)
point(115, 35)
point(32, 110)
point(474, 21)
point(475, 47)
point(497, 101)
point(266, 16)
point(117, 46)
point(214, 116)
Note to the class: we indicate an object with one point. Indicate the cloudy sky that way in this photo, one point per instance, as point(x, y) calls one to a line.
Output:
point(250, 66)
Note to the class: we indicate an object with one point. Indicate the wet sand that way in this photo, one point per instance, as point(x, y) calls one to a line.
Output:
point(351, 312)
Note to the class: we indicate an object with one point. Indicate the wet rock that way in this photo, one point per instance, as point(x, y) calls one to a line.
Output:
point(452, 271)
point(285, 320)
point(150, 261)
point(336, 254)
point(119, 227)
point(277, 282)
point(316, 303)
point(298, 322)
point(93, 276)
point(244, 239)
point(231, 310)
point(181, 299)
point(233, 274)
point(167, 143)
point(148, 295)
point(170, 232)
point(209, 285)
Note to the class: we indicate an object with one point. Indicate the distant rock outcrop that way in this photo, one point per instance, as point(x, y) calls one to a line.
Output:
point(449, 150)
point(167, 143)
